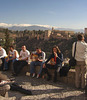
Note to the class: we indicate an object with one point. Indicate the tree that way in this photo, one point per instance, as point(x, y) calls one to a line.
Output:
point(7, 42)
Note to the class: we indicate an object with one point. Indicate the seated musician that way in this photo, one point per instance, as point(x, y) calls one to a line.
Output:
point(38, 57)
point(56, 59)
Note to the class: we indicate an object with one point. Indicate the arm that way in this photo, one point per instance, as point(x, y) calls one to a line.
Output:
point(73, 47)
point(48, 59)
point(43, 57)
point(60, 57)
point(3, 52)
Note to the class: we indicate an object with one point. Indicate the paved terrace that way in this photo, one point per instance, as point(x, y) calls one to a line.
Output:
point(44, 90)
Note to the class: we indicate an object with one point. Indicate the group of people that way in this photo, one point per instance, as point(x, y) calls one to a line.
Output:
point(53, 62)
point(37, 59)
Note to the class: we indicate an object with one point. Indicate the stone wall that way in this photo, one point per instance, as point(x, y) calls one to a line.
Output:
point(69, 79)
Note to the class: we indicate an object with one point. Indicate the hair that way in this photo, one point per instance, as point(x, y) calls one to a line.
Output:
point(58, 50)
point(38, 48)
point(80, 37)
point(12, 46)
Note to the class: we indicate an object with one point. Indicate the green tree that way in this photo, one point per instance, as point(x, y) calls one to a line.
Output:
point(7, 41)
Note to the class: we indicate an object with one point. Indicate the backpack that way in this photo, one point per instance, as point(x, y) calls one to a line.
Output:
point(64, 70)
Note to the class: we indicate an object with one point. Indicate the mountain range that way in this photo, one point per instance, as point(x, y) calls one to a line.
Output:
point(22, 27)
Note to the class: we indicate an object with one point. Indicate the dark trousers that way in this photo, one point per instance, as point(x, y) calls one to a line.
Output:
point(9, 64)
point(2, 65)
point(18, 66)
point(48, 66)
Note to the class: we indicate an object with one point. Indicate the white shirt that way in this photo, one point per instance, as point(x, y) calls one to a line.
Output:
point(2, 53)
point(12, 53)
point(81, 51)
point(24, 54)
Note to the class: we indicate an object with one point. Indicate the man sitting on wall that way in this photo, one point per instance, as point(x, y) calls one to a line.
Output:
point(12, 56)
point(38, 57)
point(23, 61)
point(2, 57)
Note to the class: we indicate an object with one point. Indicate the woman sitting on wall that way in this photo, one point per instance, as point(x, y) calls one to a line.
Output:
point(56, 59)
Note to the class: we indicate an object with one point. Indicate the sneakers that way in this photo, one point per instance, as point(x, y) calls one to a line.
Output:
point(33, 75)
point(38, 75)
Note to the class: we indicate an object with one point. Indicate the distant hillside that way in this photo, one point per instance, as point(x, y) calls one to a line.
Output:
point(22, 27)
point(28, 28)
point(19, 28)
point(65, 45)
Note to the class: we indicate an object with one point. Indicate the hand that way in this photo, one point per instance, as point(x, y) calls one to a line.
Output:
point(19, 58)
point(7, 60)
point(44, 66)
point(55, 54)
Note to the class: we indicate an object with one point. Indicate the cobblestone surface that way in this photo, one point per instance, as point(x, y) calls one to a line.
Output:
point(44, 90)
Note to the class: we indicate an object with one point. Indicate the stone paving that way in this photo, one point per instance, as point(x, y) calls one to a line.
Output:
point(44, 90)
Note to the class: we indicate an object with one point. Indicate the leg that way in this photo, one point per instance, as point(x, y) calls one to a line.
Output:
point(77, 77)
point(15, 65)
point(55, 73)
point(32, 67)
point(2, 65)
point(9, 64)
point(83, 72)
point(6, 65)
point(48, 66)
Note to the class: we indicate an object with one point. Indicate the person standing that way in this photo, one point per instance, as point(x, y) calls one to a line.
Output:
point(2, 57)
point(22, 61)
point(81, 57)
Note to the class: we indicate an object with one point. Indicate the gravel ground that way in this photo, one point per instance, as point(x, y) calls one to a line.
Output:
point(44, 90)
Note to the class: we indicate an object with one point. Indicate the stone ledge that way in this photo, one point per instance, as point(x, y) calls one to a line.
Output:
point(69, 79)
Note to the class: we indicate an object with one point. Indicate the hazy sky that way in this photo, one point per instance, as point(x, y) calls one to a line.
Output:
point(60, 13)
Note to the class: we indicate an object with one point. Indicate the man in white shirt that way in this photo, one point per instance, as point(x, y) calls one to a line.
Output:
point(12, 56)
point(81, 57)
point(23, 61)
point(2, 57)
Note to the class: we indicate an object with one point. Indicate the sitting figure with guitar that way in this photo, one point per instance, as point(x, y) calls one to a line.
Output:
point(38, 57)
point(55, 62)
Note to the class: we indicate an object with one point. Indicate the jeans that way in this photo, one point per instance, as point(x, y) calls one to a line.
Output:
point(33, 64)
point(7, 64)
point(3, 62)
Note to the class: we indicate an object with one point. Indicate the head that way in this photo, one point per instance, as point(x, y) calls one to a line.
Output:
point(0, 47)
point(11, 47)
point(80, 37)
point(38, 50)
point(55, 49)
point(23, 47)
